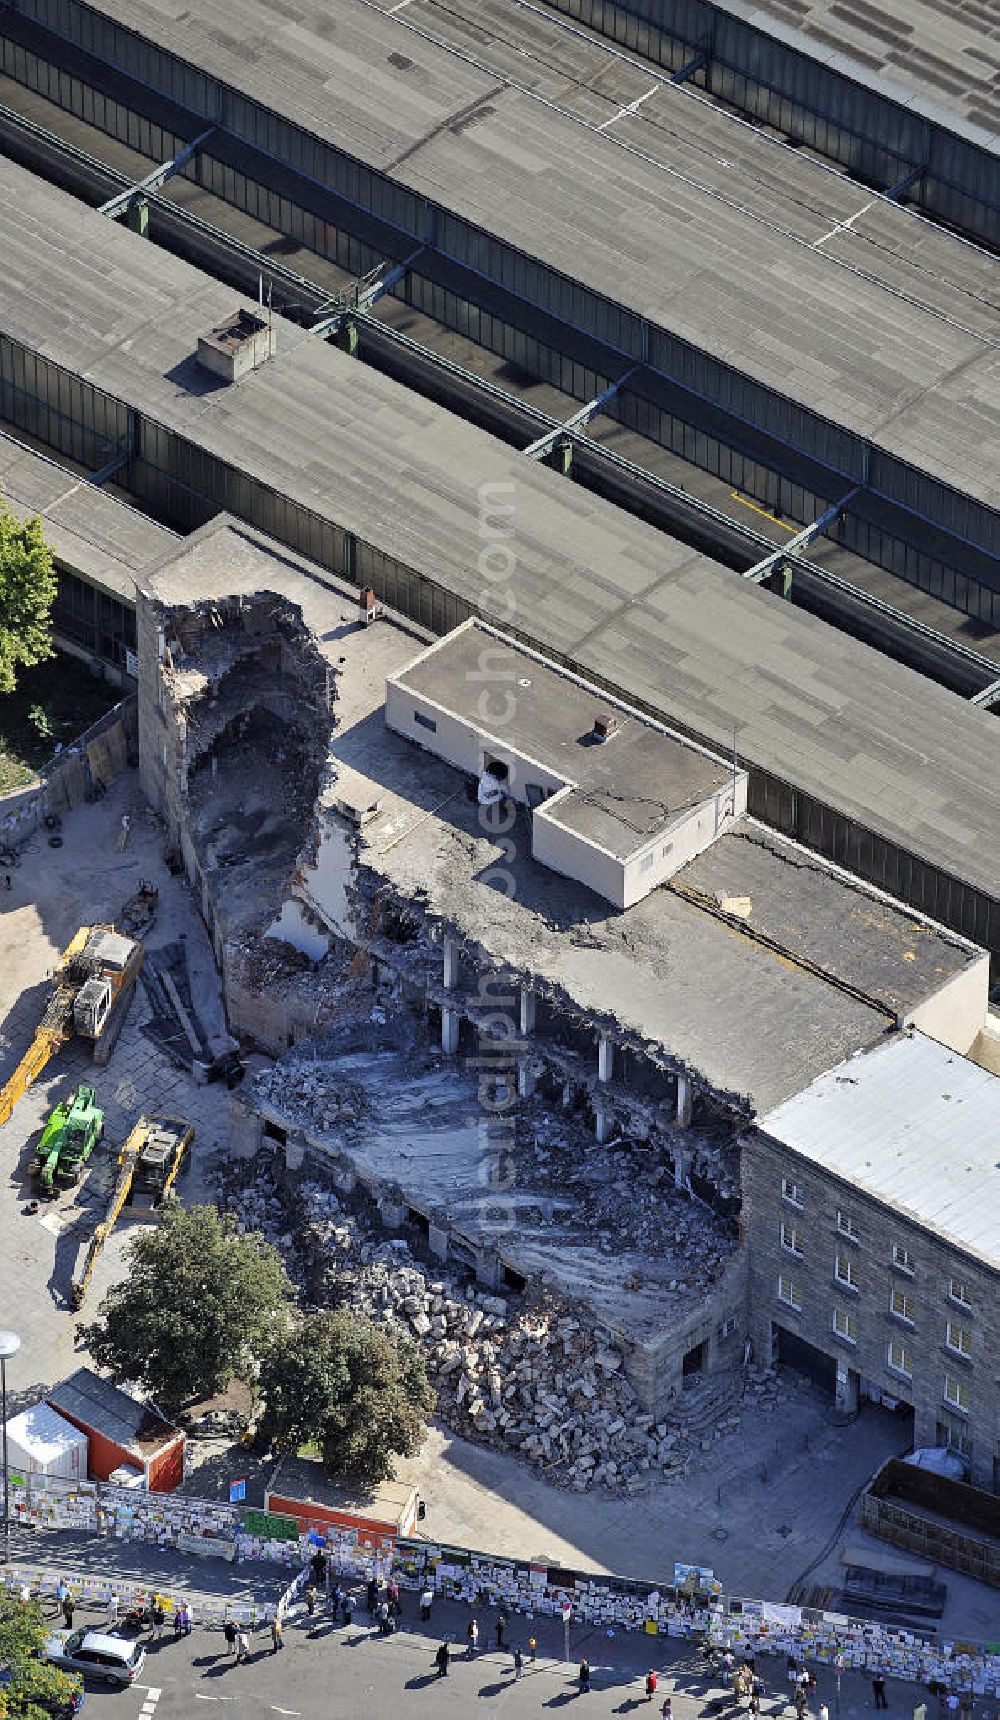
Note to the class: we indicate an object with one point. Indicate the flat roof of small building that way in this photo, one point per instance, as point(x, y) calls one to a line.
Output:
point(92, 533)
point(915, 1126)
point(304, 1480)
point(624, 790)
point(776, 290)
point(624, 603)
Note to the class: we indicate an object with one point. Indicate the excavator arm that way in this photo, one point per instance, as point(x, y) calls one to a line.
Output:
point(128, 1160)
point(44, 1045)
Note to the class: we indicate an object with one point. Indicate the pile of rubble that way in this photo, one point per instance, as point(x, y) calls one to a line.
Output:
point(527, 1374)
point(310, 1094)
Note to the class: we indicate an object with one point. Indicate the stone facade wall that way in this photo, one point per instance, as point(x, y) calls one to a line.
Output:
point(880, 1273)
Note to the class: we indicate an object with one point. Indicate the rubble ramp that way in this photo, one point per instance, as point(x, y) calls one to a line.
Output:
point(174, 1025)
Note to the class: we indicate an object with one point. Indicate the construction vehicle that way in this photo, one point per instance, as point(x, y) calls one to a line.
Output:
point(92, 985)
point(139, 912)
point(72, 1132)
point(149, 1163)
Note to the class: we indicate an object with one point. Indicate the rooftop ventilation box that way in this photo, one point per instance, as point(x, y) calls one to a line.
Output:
point(237, 346)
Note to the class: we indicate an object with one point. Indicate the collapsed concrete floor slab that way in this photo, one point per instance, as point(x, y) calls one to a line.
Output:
point(525, 1200)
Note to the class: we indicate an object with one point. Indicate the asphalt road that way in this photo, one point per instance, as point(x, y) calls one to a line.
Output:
point(338, 1673)
point(350, 1673)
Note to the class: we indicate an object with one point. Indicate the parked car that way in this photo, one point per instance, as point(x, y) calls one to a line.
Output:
point(114, 1659)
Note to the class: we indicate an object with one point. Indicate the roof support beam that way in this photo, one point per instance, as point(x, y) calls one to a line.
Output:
point(908, 181)
point(688, 71)
point(120, 205)
point(363, 297)
point(545, 445)
point(762, 569)
point(986, 696)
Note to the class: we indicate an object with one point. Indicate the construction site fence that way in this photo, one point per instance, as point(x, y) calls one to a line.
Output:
point(79, 772)
point(689, 1605)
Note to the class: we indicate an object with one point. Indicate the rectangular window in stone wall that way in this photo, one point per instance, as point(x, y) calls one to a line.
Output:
point(789, 1291)
point(791, 1192)
point(847, 1226)
point(899, 1359)
point(958, 1338)
point(844, 1272)
point(902, 1305)
point(960, 1293)
point(845, 1325)
point(956, 1392)
point(902, 1259)
point(791, 1239)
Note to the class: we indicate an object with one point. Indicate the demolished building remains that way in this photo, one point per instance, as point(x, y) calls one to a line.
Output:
point(529, 967)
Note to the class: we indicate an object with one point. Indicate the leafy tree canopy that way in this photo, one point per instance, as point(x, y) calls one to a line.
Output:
point(357, 1390)
point(27, 592)
point(199, 1302)
point(30, 1686)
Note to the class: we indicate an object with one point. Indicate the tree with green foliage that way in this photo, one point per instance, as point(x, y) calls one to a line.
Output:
point(357, 1390)
point(30, 1689)
point(199, 1301)
point(27, 593)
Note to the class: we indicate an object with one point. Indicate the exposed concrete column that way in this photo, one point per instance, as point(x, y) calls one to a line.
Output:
point(605, 1058)
point(848, 1381)
point(604, 1120)
point(684, 1100)
point(527, 1018)
point(525, 1079)
point(450, 1024)
point(451, 960)
point(137, 217)
point(682, 1166)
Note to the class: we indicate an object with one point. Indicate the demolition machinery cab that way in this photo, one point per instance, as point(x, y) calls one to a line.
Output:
point(72, 1132)
point(105, 965)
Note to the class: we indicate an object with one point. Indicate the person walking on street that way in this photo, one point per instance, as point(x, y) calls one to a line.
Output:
point(311, 1599)
point(188, 1618)
point(230, 1633)
point(518, 1663)
point(68, 1604)
point(62, 1590)
point(112, 1611)
point(502, 1631)
point(382, 1617)
point(532, 1649)
point(350, 1606)
point(667, 1710)
point(651, 1682)
point(441, 1660)
point(472, 1638)
point(242, 1647)
point(426, 1602)
point(799, 1698)
point(371, 1594)
point(157, 1619)
point(178, 1623)
point(878, 1690)
point(585, 1674)
point(277, 1634)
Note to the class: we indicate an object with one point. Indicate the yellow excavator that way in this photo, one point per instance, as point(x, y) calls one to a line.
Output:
point(92, 984)
point(149, 1164)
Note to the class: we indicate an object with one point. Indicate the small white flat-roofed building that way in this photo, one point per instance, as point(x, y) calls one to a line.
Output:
point(618, 801)
point(40, 1441)
point(872, 1216)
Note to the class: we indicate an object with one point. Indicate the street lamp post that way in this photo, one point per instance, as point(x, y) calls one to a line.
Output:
point(10, 1343)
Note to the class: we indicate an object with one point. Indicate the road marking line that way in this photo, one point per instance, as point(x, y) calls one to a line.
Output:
point(630, 108)
point(845, 226)
point(744, 500)
point(294, 1711)
point(397, 8)
point(153, 1692)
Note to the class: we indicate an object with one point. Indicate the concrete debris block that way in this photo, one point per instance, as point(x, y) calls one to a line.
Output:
point(421, 1324)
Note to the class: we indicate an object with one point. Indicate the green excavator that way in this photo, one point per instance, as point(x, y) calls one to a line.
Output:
point(68, 1139)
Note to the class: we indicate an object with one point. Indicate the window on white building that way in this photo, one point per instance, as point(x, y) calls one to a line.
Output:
point(791, 1192)
point(899, 1359)
point(958, 1338)
point(789, 1291)
point(845, 1325)
point(902, 1259)
point(844, 1272)
point(956, 1392)
point(902, 1306)
point(791, 1239)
